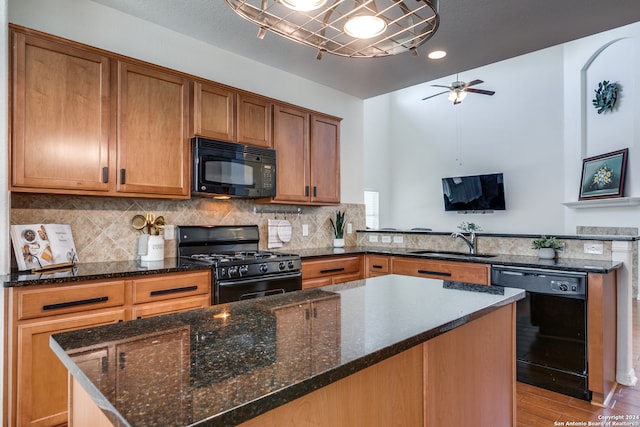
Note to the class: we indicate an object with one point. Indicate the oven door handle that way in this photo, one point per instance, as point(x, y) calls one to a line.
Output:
point(251, 295)
point(224, 283)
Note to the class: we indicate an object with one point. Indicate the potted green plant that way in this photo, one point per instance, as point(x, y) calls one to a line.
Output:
point(546, 247)
point(338, 230)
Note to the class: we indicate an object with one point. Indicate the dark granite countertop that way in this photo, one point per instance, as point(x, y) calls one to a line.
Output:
point(97, 271)
point(226, 364)
point(563, 264)
point(612, 237)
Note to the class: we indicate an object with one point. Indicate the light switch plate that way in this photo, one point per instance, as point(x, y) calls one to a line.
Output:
point(386, 239)
point(349, 228)
point(373, 238)
point(593, 248)
point(398, 239)
point(305, 229)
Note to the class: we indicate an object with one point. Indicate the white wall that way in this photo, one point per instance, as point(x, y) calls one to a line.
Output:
point(536, 129)
point(96, 25)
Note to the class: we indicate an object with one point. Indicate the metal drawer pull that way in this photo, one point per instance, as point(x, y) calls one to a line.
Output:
point(435, 273)
point(74, 303)
point(332, 270)
point(174, 290)
point(377, 266)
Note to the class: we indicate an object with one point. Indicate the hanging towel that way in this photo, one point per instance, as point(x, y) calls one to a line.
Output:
point(272, 234)
point(284, 231)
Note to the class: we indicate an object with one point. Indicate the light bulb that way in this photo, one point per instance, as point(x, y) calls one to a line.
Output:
point(365, 26)
point(303, 5)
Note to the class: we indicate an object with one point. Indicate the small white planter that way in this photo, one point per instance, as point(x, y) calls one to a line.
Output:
point(546, 253)
point(338, 243)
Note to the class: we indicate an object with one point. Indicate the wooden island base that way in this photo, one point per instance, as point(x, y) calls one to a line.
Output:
point(463, 377)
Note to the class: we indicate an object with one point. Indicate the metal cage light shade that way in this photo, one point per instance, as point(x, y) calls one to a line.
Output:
point(405, 24)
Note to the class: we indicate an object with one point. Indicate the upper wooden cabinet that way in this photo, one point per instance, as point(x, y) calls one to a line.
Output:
point(85, 122)
point(60, 116)
point(214, 111)
point(307, 157)
point(153, 145)
point(254, 121)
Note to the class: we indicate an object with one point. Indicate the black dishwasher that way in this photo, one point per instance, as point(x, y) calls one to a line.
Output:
point(551, 328)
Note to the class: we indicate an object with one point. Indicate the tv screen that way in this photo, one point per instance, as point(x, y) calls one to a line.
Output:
point(474, 193)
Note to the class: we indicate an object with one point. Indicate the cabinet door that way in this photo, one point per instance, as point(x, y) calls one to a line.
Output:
point(41, 379)
point(446, 270)
point(145, 366)
point(291, 141)
point(254, 121)
point(141, 311)
point(213, 111)
point(60, 116)
point(325, 160)
point(153, 146)
point(377, 265)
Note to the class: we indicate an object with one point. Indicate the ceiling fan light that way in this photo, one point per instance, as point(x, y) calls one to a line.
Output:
point(365, 26)
point(457, 96)
point(303, 5)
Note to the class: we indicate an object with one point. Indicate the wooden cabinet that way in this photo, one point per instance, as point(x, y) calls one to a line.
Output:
point(170, 293)
point(37, 381)
point(60, 119)
point(153, 146)
point(254, 121)
point(331, 270)
point(377, 265)
point(308, 157)
point(214, 111)
point(447, 270)
point(37, 394)
point(87, 122)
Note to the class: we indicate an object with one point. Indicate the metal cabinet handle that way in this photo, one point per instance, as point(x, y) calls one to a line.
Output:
point(105, 174)
point(377, 266)
point(123, 175)
point(122, 358)
point(74, 303)
point(173, 290)
point(435, 273)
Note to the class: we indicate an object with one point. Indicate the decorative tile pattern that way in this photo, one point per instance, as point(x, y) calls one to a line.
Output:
point(102, 228)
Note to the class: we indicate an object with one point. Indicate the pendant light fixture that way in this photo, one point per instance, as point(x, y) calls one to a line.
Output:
point(350, 28)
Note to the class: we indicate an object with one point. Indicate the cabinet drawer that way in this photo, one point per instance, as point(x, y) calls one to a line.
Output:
point(51, 301)
point(170, 286)
point(171, 306)
point(377, 265)
point(324, 267)
point(445, 270)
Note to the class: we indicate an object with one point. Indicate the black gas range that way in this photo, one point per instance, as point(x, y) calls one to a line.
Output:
point(240, 269)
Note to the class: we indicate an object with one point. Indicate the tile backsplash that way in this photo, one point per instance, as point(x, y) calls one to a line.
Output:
point(102, 230)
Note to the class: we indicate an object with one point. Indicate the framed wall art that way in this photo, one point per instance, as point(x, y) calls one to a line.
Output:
point(603, 175)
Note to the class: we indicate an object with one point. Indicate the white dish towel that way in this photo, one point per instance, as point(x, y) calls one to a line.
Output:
point(274, 241)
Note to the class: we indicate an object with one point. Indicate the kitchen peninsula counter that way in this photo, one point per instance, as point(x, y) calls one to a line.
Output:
point(254, 361)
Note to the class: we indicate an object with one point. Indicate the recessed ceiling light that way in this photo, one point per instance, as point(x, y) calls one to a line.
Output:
point(437, 54)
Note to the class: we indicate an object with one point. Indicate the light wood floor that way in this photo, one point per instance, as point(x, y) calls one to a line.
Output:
point(537, 407)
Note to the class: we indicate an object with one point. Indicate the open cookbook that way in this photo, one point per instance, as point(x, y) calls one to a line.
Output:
point(43, 246)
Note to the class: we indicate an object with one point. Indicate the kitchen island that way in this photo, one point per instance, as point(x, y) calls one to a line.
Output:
point(391, 350)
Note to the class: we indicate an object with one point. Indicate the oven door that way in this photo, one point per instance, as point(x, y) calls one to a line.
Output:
point(255, 287)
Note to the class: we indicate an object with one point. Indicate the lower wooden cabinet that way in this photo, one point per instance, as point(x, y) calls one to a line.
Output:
point(36, 394)
point(331, 270)
point(468, 272)
point(377, 265)
point(39, 380)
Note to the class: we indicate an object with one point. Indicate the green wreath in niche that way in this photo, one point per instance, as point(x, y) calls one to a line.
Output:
point(606, 96)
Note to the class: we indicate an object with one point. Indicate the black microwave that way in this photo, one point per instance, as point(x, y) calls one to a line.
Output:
point(224, 169)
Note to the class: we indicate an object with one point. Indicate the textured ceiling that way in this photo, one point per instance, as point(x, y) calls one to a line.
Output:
point(473, 32)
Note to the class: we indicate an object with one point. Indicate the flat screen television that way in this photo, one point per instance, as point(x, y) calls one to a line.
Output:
point(474, 193)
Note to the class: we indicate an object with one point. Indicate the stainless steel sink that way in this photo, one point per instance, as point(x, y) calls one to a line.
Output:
point(451, 253)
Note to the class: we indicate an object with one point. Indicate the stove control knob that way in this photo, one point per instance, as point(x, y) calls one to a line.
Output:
point(244, 269)
point(290, 264)
point(233, 270)
point(223, 272)
point(263, 268)
point(564, 287)
point(281, 265)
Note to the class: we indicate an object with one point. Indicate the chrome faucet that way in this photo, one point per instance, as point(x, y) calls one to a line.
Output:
point(470, 241)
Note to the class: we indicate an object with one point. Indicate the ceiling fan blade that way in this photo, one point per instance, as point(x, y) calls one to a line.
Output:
point(481, 91)
point(473, 83)
point(448, 87)
point(431, 96)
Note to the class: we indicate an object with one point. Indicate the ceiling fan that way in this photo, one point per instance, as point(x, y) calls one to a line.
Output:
point(458, 90)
